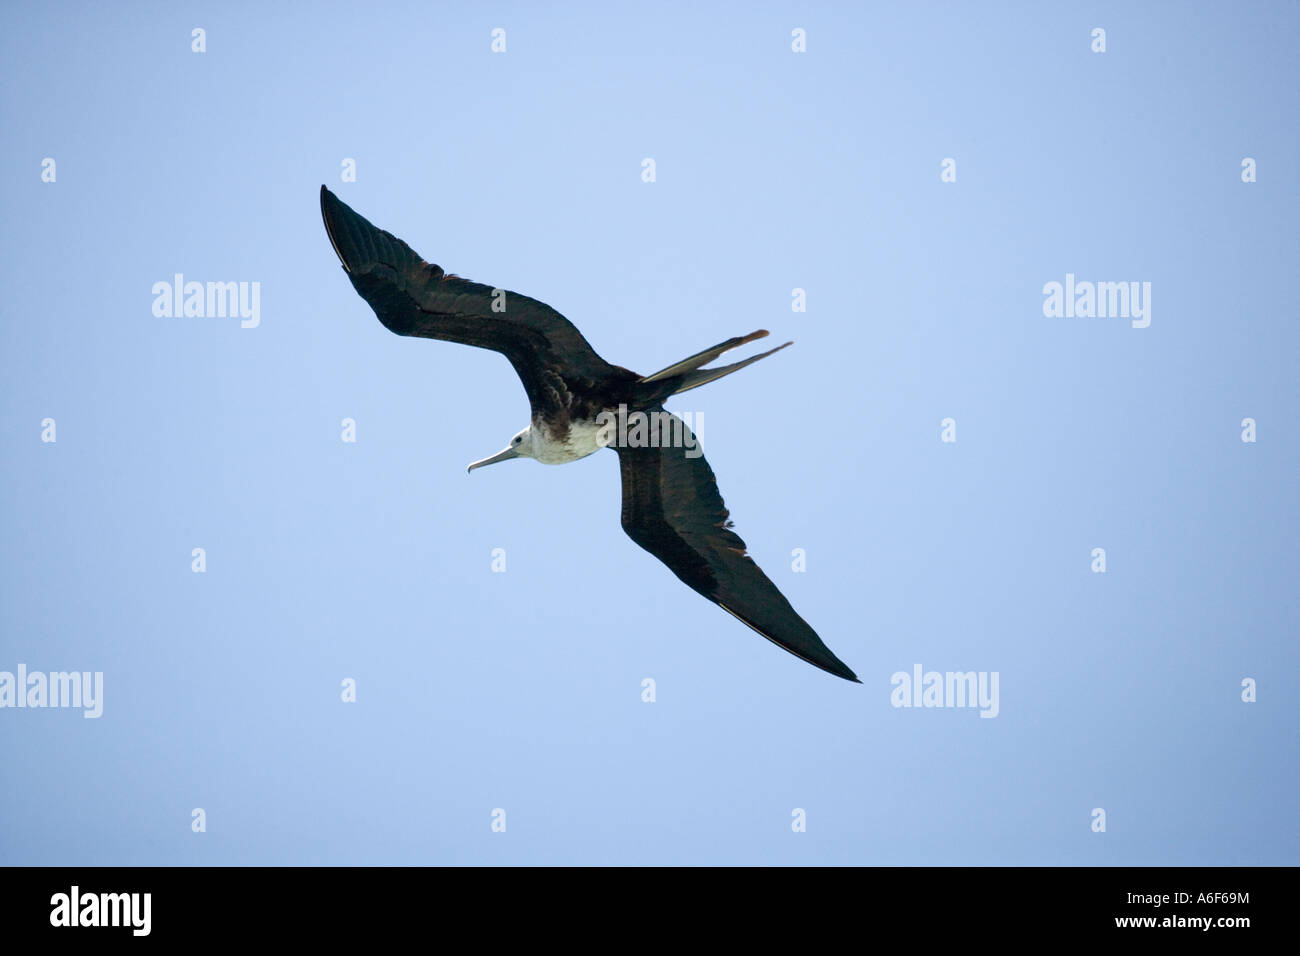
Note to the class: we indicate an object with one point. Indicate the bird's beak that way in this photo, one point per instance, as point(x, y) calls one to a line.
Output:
point(504, 455)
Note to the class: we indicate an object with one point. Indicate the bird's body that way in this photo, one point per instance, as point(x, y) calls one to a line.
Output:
point(581, 438)
point(581, 403)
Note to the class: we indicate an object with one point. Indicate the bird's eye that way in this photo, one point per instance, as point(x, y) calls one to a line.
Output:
point(517, 440)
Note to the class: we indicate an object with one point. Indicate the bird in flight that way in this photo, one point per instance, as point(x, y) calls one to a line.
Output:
point(581, 403)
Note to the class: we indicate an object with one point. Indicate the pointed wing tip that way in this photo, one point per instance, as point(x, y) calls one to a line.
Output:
point(330, 207)
point(839, 669)
point(824, 659)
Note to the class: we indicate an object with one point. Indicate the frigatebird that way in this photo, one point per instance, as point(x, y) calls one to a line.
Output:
point(671, 504)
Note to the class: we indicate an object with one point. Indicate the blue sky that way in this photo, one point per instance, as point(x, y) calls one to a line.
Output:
point(522, 690)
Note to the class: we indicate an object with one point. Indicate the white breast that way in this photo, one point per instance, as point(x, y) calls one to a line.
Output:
point(582, 440)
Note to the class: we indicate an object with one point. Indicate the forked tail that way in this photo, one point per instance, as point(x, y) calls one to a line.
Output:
point(689, 374)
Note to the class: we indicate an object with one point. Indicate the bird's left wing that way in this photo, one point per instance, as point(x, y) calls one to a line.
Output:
point(413, 297)
point(672, 508)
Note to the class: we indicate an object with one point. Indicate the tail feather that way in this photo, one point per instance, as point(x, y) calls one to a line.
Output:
point(704, 376)
point(705, 357)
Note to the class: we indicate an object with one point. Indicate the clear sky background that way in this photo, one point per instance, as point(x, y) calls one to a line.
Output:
point(522, 690)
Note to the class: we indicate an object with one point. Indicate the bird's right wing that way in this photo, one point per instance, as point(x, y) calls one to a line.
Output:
point(672, 508)
point(412, 297)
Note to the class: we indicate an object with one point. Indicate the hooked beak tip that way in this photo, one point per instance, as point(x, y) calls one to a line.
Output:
point(504, 455)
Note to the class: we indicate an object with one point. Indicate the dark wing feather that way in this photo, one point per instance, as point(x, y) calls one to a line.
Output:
point(672, 508)
point(412, 297)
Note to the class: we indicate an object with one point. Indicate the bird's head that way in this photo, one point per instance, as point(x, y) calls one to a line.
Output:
point(521, 446)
